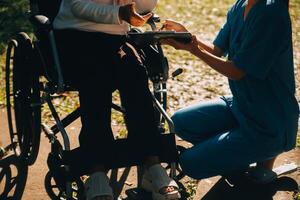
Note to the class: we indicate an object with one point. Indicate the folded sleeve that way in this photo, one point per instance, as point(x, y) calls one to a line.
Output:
point(92, 11)
point(264, 41)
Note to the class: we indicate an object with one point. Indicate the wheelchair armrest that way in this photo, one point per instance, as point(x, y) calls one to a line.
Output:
point(152, 20)
point(41, 22)
point(155, 18)
point(44, 31)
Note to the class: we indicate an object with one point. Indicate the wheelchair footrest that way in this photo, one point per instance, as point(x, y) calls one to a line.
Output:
point(124, 156)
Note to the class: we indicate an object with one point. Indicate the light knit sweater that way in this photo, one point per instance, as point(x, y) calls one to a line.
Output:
point(97, 15)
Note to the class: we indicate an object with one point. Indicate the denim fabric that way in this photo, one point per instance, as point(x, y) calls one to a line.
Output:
point(220, 145)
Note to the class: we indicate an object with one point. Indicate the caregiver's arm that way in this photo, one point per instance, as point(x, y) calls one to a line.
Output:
point(172, 25)
point(209, 53)
point(225, 67)
point(211, 48)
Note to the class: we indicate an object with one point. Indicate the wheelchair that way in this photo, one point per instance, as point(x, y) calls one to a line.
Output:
point(28, 62)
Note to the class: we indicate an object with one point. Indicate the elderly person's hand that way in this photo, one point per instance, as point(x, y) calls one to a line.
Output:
point(129, 14)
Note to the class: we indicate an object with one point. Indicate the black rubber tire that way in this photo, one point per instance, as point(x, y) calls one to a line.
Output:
point(57, 193)
point(15, 172)
point(50, 188)
point(23, 98)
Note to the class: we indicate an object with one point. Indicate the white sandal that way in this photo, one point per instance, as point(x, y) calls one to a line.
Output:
point(155, 179)
point(97, 185)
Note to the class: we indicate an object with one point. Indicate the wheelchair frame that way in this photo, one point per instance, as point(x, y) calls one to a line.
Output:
point(28, 140)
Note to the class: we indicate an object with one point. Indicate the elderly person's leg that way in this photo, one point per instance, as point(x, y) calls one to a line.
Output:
point(132, 82)
point(95, 89)
point(96, 137)
point(88, 65)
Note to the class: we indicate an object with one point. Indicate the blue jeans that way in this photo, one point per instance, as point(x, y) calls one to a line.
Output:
point(220, 146)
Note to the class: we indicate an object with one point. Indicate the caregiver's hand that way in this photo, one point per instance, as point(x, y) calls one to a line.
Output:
point(170, 25)
point(191, 46)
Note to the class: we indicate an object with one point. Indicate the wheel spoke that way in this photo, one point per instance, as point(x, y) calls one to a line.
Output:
point(54, 186)
point(12, 184)
point(62, 194)
point(13, 180)
point(2, 174)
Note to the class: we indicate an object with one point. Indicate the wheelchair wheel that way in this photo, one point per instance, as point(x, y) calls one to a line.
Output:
point(22, 98)
point(55, 192)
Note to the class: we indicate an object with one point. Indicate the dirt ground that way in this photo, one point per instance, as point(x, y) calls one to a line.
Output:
point(209, 189)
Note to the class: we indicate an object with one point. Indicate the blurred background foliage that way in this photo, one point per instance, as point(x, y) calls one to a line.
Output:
point(12, 19)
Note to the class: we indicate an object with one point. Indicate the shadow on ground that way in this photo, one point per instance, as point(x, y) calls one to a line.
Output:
point(13, 176)
point(240, 188)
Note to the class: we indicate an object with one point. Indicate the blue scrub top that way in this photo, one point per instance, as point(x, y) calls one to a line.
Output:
point(263, 100)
